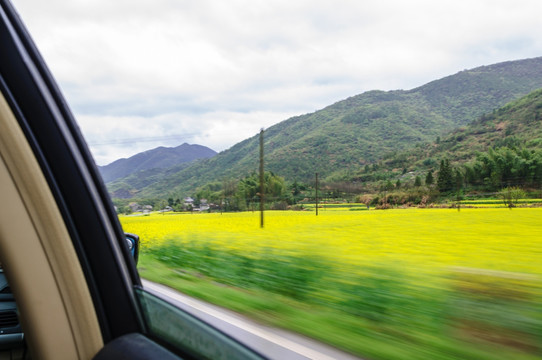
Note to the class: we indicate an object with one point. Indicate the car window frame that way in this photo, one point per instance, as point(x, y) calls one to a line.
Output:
point(64, 160)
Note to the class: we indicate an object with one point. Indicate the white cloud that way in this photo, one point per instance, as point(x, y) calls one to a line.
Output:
point(154, 68)
point(126, 136)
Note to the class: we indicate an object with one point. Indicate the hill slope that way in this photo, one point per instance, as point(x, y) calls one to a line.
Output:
point(363, 128)
point(158, 158)
point(516, 126)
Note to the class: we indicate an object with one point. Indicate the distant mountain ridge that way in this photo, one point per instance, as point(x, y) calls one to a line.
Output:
point(359, 130)
point(158, 158)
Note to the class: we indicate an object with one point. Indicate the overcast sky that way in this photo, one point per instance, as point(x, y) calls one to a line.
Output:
point(142, 74)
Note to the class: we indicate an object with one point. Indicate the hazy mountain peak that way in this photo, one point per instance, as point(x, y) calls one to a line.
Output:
point(159, 158)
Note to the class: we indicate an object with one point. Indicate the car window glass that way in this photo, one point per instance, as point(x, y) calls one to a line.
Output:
point(186, 332)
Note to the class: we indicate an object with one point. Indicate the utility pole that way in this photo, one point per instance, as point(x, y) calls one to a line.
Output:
point(316, 194)
point(458, 181)
point(262, 187)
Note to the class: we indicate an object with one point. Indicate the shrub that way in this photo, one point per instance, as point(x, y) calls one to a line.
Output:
point(511, 195)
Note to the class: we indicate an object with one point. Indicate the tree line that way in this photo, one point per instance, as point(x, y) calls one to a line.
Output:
point(493, 170)
point(504, 171)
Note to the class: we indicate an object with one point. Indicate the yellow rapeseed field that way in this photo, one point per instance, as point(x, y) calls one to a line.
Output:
point(449, 279)
point(419, 240)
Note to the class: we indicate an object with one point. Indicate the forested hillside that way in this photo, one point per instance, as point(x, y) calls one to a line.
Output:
point(499, 149)
point(342, 138)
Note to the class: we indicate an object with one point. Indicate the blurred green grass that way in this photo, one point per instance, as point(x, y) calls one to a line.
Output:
point(379, 311)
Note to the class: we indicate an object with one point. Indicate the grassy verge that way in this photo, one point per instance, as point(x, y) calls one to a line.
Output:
point(377, 312)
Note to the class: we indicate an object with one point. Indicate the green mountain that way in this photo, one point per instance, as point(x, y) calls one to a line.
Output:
point(507, 140)
point(362, 129)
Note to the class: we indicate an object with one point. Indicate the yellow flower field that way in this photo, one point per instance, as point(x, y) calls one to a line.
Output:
point(462, 284)
point(428, 239)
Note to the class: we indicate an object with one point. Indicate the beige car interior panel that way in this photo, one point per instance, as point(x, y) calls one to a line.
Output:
point(40, 263)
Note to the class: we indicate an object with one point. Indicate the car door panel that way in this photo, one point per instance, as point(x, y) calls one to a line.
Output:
point(35, 248)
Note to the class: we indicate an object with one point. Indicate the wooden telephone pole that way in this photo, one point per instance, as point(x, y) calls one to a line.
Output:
point(262, 179)
point(316, 193)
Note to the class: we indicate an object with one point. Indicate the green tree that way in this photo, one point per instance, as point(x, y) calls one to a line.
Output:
point(508, 167)
point(212, 192)
point(295, 190)
point(418, 181)
point(161, 204)
point(511, 195)
point(429, 178)
point(458, 179)
point(388, 186)
point(249, 188)
point(124, 210)
point(229, 201)
point(445, 179)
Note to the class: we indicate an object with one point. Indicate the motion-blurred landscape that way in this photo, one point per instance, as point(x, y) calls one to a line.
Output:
point(369, 139)
point(419, 240)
